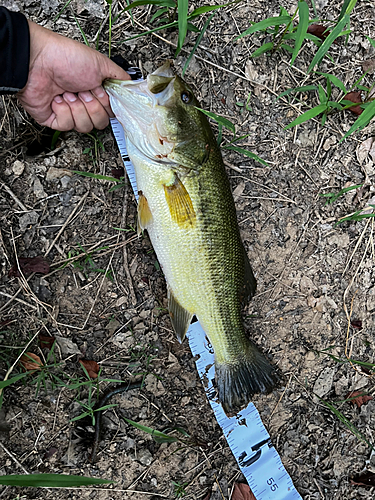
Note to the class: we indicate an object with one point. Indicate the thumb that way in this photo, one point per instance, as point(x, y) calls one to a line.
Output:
point(109, 69)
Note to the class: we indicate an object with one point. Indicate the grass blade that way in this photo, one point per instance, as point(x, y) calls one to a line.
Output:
point(346, 8)
point(81, 30)
point(266, 23)
point(50, 480)
point(363, 120)
point(169, 25)
point(5, 383)
point(206, 8)
point(96, 176)
point(219, 119)
point(199, 38)
point(182, 7)
point(305, 88)
point(302, 28)
point(246, 153)
point(333, 79)
point(345, 421)
point(159, 437)
point(323, 49)
point(266, 47)
point(311, 113)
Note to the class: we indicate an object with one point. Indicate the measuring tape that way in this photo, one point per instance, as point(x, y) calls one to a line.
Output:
point(246, 435)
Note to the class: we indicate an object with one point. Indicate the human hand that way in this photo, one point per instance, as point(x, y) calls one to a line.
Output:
point(63, 90)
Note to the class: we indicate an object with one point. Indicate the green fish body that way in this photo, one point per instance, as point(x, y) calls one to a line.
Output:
point(186, 205)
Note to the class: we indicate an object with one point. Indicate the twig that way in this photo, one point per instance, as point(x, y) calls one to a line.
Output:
point(10, 192)
point(13, 297)
point(67, 222)
point(14, 458)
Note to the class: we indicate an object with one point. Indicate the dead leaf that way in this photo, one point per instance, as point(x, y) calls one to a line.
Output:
point(208, 496)
point(354, 97)
point(356, 323)
point(366, 148)
point(92, 367)
point(117, 173)
point(366, 478)
point(318, 30)
point(358, 398)
point(31, 362)
point(29, 265)
point(242, 491)
point(368, 65)
point(46, 341)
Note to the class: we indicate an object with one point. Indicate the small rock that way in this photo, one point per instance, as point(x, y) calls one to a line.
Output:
point(54, 173)
point(324, 382)
point(27, 220)
point(38, 189)
point(144, 457)
point(123, 340)
point(154, 385)
point(67, 346)
point(18, 167)
point(112, 326)
point(64, 181)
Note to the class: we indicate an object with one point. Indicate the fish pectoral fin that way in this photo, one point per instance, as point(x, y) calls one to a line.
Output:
point(250, 283)
point(144, 213)
point(180, 317)
point(179, 203)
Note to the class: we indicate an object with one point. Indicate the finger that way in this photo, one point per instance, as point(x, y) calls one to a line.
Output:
point(103, 98)
point(97, 113)
point(82, 121)
point(61, 118)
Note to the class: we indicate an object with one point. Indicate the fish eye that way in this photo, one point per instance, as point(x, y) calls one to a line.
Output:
point(186, 97)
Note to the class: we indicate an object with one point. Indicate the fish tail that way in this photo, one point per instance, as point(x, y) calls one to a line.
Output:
point(249, 374)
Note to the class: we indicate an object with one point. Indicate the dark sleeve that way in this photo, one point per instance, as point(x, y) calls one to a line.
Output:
point(14, 51)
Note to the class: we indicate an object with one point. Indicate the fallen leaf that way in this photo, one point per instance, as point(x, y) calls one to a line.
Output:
point(92, 367)
point(368, 65)
point(358, 398)
point(354, 97)
point(51, 451)
point(208, 496)
point(46, 341)
point(356, 323)
point(366, 478)
point(31, 362)
point(318, 30)
point(242, 491)
point(366, 148)
point(29, 265)
point(117, 173)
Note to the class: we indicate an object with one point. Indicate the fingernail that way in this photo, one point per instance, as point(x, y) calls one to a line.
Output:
point(86, 96)
point(99, 92)
point(58, 99)
point(70, 97)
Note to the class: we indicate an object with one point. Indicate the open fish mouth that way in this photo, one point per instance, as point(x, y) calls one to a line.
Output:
point(137, 105)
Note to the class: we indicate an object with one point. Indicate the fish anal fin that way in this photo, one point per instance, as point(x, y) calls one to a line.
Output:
point(144, 213)
point(180, 317)
point(180, 204)
point(250, 283)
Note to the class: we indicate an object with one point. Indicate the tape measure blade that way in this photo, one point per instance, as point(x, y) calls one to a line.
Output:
point(119, 134)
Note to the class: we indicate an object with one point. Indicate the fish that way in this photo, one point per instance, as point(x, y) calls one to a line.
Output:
point(187, 207)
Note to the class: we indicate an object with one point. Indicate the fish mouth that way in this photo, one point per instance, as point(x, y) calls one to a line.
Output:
point(138, 106)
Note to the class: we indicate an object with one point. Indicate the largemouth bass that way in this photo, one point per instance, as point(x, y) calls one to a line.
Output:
point(187, 207)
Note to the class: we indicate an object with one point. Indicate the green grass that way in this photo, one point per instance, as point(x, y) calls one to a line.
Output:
point(50, 480)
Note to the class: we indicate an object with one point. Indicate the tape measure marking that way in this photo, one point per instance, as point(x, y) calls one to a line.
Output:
point(245, 433)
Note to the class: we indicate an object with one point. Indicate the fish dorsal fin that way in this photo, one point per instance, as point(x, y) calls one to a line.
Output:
point(180, 204)
point(144, 213)
point(250, 283)
point(180, 317)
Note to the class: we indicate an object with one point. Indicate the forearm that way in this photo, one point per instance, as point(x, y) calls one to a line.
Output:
point(14, 51)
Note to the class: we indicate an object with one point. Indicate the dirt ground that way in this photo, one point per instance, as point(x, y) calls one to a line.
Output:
point(109, 304)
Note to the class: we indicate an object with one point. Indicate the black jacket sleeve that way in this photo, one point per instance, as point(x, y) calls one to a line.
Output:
point(14, 51)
